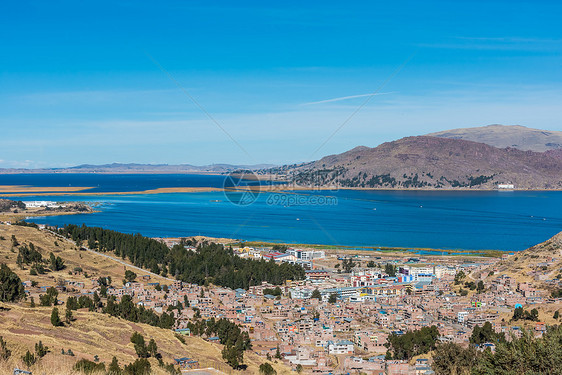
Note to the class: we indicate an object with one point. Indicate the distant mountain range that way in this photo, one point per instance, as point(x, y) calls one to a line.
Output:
point(436, 162)
point(502, 136)
point(471, 158)
point(141, 168)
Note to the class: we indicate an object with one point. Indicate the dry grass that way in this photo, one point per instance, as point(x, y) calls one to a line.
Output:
point(523, 264)
point(91, 263)
point(98, 334)
point(91, 333)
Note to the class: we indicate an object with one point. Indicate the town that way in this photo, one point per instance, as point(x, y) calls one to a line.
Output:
point(344, 315)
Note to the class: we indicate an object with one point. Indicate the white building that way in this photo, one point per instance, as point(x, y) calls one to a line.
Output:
point(461, 316)
point(340, 347)
point(307, 254)
point(36, 204)
point(506, 186)
point(441, 271)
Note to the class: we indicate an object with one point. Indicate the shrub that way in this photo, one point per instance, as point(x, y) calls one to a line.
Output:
point(29, 359)
point(267, 369)
point(140, 367)
point(89, 367)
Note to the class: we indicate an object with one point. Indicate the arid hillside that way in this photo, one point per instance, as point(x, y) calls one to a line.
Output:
point(540, 265)
point(432, 162)
point(515, 136)
point(90, 333)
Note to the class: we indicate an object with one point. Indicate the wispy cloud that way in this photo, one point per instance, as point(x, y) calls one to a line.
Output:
point(510, 39)
point(505, 43)
point(346, 98)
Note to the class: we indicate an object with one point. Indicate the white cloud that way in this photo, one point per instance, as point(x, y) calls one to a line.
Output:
point(346, 98)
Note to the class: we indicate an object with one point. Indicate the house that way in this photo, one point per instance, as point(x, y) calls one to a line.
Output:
point(340, 347)
point(280, 257)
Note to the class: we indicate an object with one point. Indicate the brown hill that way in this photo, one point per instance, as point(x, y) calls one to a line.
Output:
point(432, 162)
point(502, 136)
point(92, 333)
point(539, 265)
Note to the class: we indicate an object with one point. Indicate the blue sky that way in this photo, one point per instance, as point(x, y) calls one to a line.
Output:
point(79, 82)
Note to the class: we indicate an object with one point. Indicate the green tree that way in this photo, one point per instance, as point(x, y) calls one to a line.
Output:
point(333, 298)
point(316, 294)
point(480, 288)
point(388, 355)
point(371, 264)
point(11, 288)
point(526, 355)
point(347, 265)
point(453, 359)
point(233, 356)
point(141, 366)
point(5, 353)
point(210, 262)
point(29, 359)
point(68, 315)
point(299, 368)
point(130, 276)
point(55, 318)
point(89, 367)
point(459, 277)
point(50, 298)
point(267, 369)
point(277, 353)
point(556, 315)
point(41, 350)
point(520, 314)
point(390, 269)
point(140, 345)
point(484, 334)
point(152, 348)
point(57, 263)
point(413, 343)
point(114, 368)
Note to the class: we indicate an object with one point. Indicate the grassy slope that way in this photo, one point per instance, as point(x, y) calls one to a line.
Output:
point(91, 333)
point(521, 265)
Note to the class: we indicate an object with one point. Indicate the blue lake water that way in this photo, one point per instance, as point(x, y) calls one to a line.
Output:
point(473, 220)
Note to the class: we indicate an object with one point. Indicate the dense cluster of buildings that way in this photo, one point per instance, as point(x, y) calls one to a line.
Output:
point(338, 322)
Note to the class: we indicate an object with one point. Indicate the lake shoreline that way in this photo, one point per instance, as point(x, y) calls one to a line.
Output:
point(27, 191)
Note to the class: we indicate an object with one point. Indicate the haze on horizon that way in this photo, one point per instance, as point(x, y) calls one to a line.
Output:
point(79, 83)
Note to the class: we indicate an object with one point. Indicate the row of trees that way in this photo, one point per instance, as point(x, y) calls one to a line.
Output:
point(230, 335)
point(29, 255)
point(209, 263)
point(520, 314)
point(412, 343)
point(11, 288)
point(525, 355)
point(128, 310)
point(143, 350)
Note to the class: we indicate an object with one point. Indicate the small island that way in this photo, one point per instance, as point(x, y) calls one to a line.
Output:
point(17, 210)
